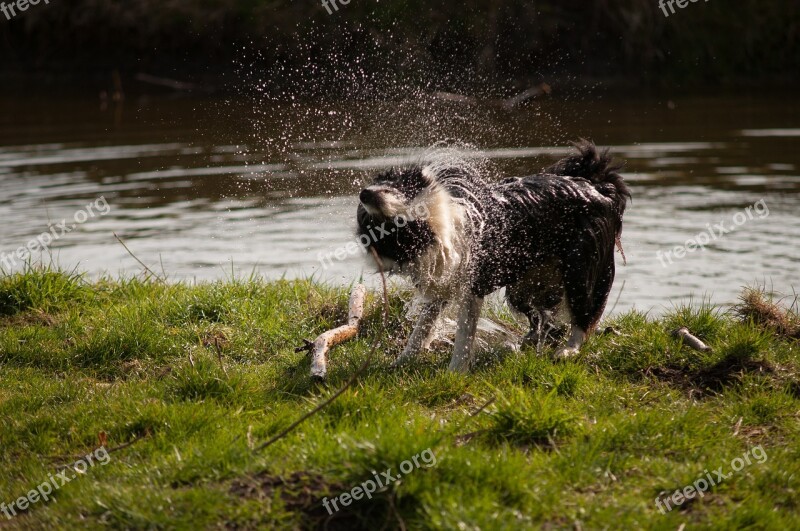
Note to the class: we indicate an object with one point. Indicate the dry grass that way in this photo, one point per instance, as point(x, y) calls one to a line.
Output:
point(762, 309)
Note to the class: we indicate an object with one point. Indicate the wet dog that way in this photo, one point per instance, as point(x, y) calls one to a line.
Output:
point(549, 239)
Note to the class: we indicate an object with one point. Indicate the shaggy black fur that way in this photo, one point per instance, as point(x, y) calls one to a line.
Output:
point(543, 237)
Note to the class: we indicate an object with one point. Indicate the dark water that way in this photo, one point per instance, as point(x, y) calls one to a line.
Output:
point(203, 189)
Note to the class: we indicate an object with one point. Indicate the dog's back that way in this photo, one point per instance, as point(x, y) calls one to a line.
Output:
point(579, 200)
point(552, 244)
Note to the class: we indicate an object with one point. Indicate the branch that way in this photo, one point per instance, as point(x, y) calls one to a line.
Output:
point(689, 340)
point(349, 383)
point(324, 342)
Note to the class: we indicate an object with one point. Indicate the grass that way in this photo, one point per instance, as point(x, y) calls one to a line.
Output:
point(196, 376)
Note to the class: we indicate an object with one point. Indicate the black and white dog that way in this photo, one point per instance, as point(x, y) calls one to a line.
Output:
point(548, 239)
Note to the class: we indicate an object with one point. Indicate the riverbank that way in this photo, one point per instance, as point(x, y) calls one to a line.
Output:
point(181, 383)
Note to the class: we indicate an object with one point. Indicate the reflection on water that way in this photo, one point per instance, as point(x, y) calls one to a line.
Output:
point(203, 188)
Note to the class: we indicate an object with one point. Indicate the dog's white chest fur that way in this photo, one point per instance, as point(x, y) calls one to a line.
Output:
point(442, 269)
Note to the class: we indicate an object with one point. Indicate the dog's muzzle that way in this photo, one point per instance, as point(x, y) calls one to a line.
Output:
point(372, 201)
point(368, 197)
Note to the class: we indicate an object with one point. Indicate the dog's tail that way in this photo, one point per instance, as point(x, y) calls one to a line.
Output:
point(601, 170)
point(590, 163)
point(598, 167)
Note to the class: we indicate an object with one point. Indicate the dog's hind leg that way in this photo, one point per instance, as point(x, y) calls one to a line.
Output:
point(538, 296)
point(576, 340)
point(468, 316)
point(420, 336)
point(587, 282)
point(577, 285)
point(601, 290)
point(544, 330)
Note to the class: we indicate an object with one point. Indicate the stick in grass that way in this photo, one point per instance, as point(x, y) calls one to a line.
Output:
point(324, 342)
point(361, 370)
point(690, 340)
point(293, 426)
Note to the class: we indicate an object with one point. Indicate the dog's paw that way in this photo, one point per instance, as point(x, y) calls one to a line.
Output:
point(566, 353)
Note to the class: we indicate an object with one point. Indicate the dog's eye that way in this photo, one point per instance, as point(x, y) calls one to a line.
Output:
point(390, 177)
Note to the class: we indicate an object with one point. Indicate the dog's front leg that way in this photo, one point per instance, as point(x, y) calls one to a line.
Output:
point(468, 316)
point(420, 337)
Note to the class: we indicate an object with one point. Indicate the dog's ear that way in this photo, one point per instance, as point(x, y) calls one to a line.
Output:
point(427, 177)
point(389, 176)
point(417, 180)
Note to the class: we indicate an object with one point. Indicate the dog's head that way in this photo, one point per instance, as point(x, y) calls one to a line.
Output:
point(395, 192)
point(394, 215)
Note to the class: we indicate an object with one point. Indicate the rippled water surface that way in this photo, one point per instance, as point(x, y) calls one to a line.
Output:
point(202, 189)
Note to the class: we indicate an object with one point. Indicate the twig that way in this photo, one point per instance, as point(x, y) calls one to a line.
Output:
point(135, 258)
point(117, 448)
point(621, 250)
point(322, 405)
point(689, 340)
point(161, 261)
point(468, 436)
point(338, 393)
point(327, 340)
point(401, 525)
point(482, 408)
point(129, 443)
point(219, 355)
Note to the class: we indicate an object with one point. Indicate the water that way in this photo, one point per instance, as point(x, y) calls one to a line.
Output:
point(203, 189)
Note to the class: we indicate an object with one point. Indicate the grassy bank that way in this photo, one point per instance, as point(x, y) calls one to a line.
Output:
point(195, 377)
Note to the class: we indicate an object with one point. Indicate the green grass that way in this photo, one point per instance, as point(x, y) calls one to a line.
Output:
point(590, 442)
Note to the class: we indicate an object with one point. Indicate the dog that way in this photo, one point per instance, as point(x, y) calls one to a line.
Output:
point(549, 239)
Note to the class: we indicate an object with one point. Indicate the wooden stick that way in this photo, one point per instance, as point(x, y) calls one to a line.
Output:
point(690, 340)
point(361, 370)
point(364, 366)
point(529, 94)
point(320, 347)
point(507, 104)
